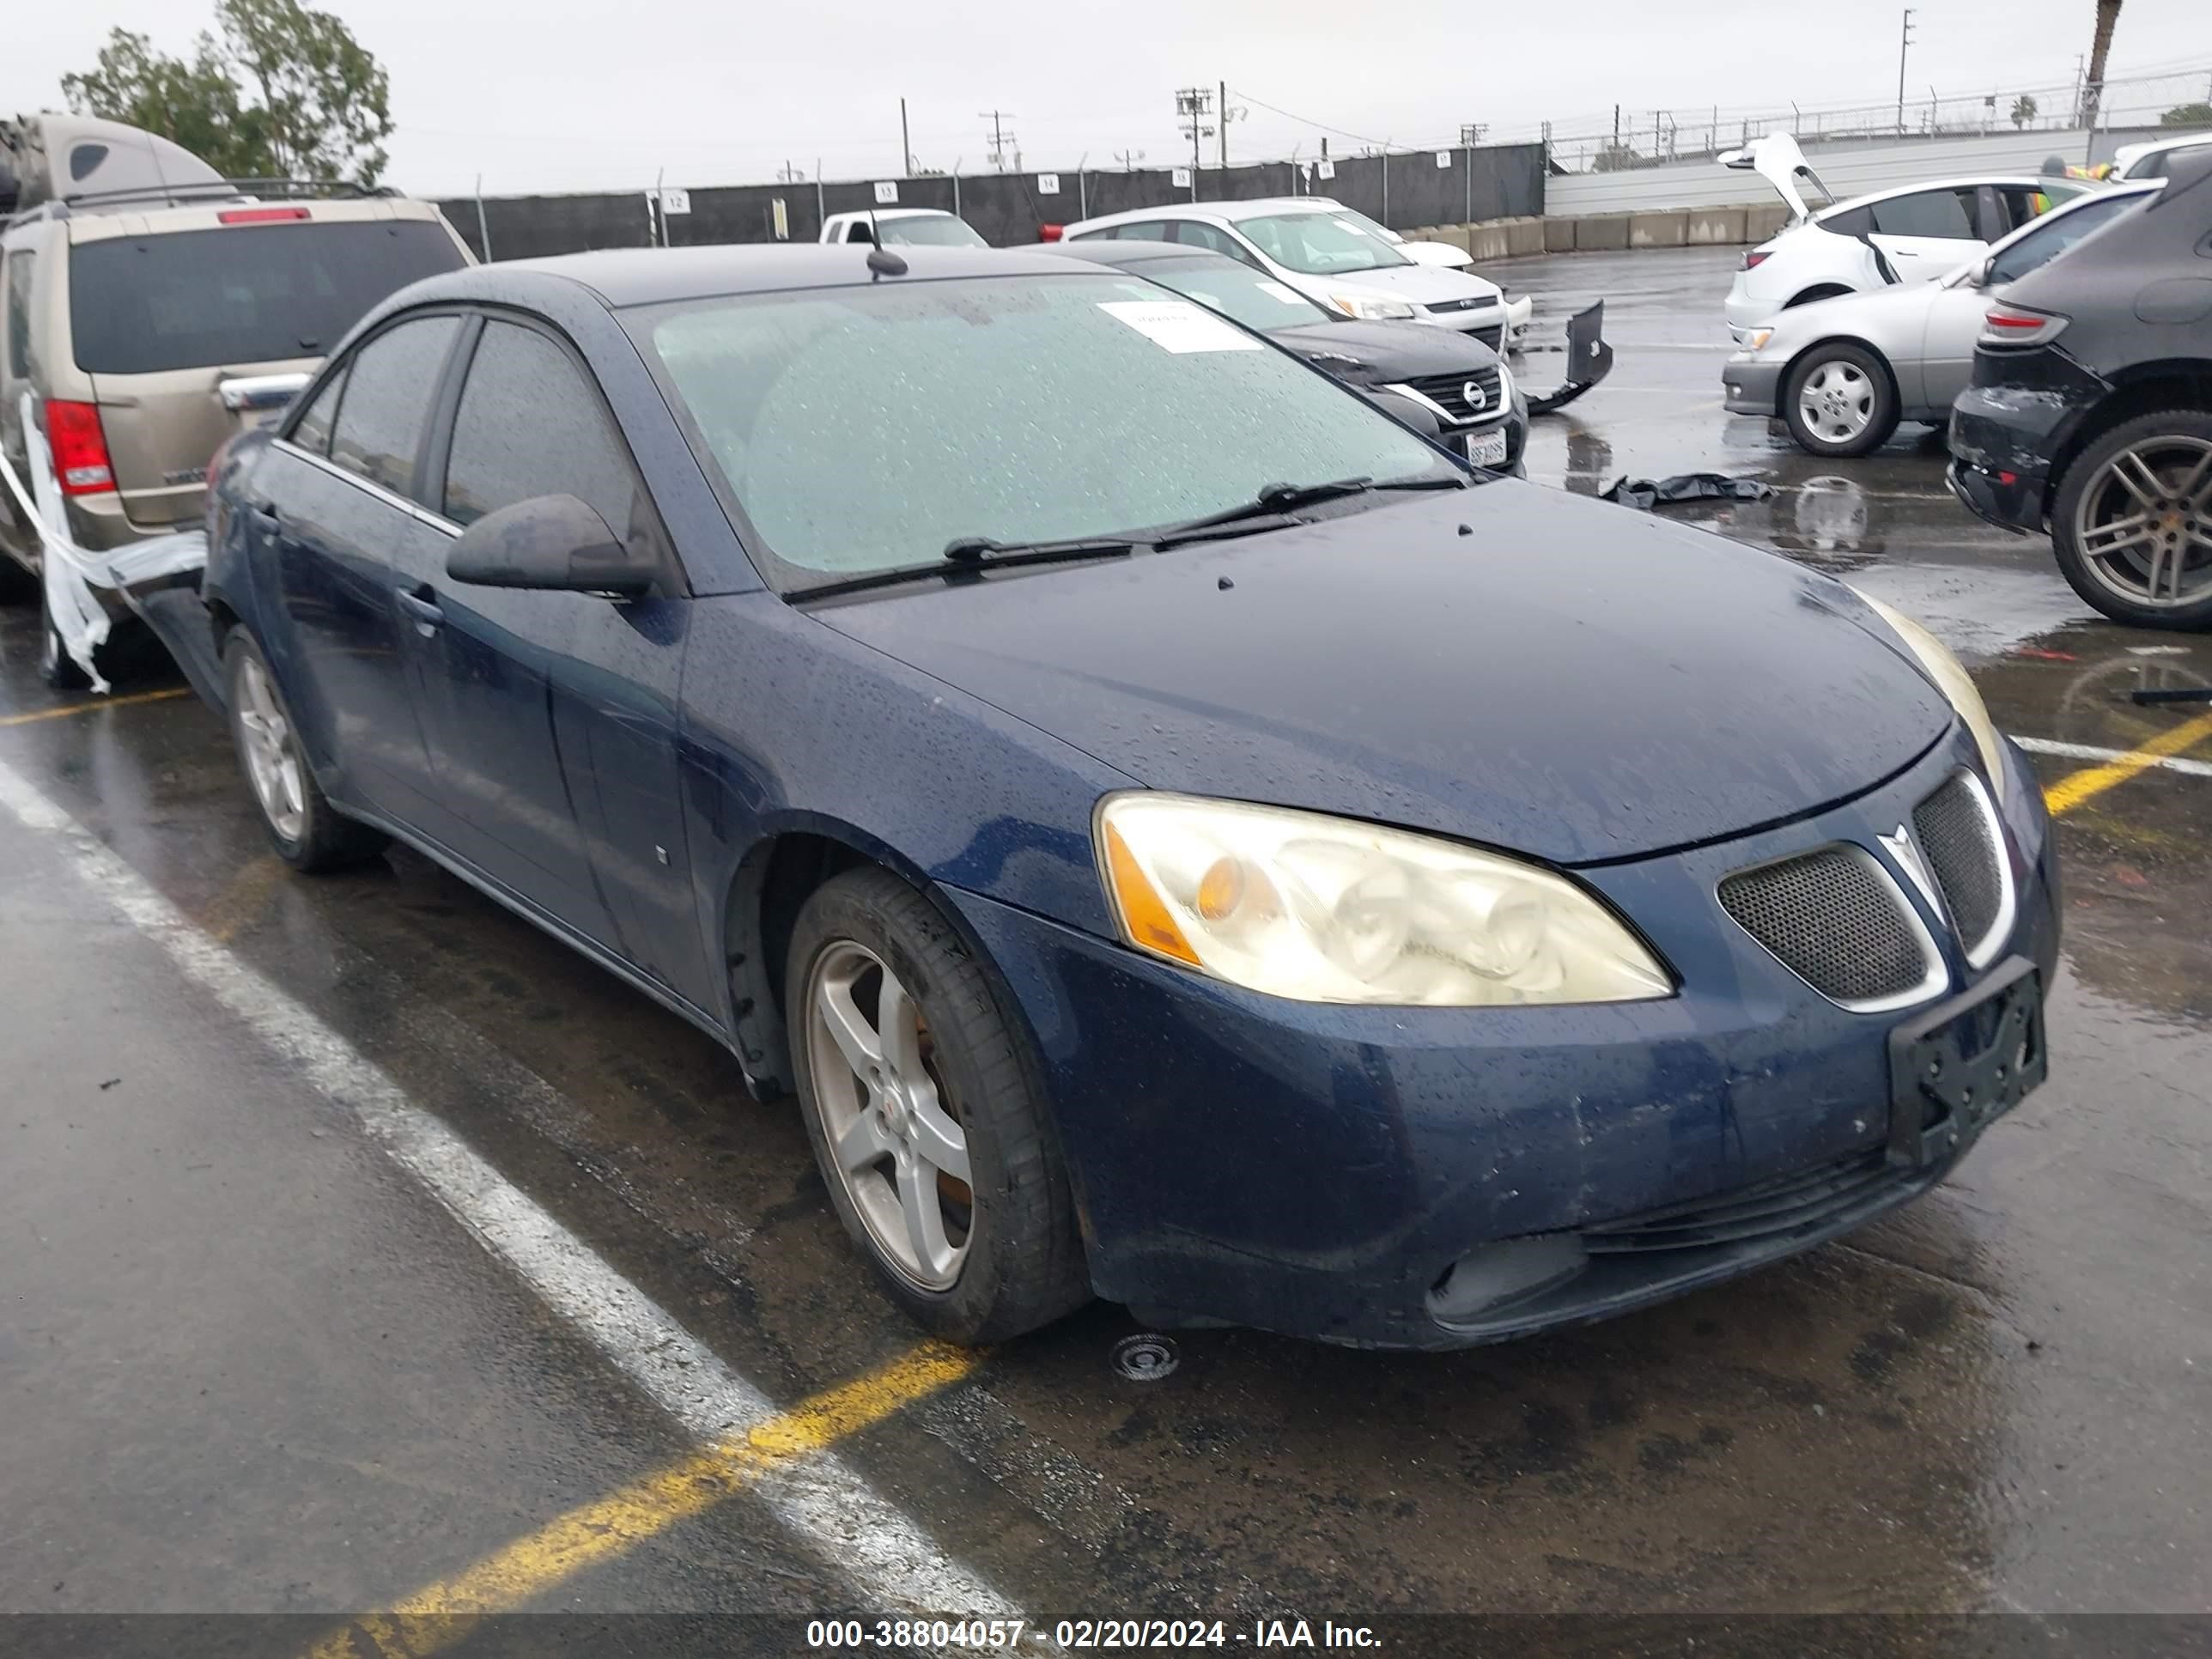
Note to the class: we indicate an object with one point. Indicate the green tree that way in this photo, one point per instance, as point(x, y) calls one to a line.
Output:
point(2023, 110)
point(286, 91)
point(2187, 115)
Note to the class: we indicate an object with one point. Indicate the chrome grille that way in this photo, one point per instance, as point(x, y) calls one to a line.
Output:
point(1448, 393)
point(1836, 921)
point(1964, 857)
point(1453, 305)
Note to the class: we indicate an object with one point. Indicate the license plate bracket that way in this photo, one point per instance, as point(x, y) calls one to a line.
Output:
point(1963, 1064)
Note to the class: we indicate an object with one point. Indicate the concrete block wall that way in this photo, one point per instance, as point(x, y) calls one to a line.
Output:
point(1493, 239)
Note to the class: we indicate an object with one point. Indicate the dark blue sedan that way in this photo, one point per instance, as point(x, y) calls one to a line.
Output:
point(1181, 836)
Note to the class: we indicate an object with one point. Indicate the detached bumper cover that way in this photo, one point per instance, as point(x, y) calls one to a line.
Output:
point(1327, 1171)
point(2004, 438)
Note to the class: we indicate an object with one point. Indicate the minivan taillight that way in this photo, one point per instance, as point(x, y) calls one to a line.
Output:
point(2006, 327)
point(1757, 256)
point(79, 446)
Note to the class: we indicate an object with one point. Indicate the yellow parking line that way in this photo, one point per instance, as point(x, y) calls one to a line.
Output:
point(95, 705)
point(2070, 791)
point(439, 1615)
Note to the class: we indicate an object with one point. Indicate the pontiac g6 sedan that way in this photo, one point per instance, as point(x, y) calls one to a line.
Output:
point(1183, 837)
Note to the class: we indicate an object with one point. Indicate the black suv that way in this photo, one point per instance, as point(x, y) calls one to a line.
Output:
point(2090, 409)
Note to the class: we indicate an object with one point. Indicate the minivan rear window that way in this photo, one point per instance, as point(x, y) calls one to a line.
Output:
point(239, 295)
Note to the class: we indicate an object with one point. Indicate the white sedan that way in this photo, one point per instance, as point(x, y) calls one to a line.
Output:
point(1841, 374)
point(1912, 235)
point(1314, 247)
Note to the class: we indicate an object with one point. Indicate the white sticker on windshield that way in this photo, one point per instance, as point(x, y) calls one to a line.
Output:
point(1282, 291)
point(1178, 326)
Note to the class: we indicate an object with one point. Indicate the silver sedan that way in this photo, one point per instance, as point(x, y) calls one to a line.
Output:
point(1842, 372)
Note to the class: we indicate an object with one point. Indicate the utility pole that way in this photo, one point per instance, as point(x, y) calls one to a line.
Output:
point(1129, 159)
point(1224, 125)
point(1192, 105)
point(1470, 135)
point(906, 143)
point(1904, 43)
point(999, 138)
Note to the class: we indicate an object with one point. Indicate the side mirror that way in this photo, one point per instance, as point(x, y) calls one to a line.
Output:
point(553, 542)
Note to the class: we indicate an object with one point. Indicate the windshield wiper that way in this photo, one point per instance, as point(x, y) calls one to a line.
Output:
point(1275, 500)
point(966, 555)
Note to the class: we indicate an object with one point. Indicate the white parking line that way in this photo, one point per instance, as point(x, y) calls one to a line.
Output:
point(828, 1506)
point(2090, 752)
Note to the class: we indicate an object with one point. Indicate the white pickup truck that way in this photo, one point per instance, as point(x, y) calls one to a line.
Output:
point(903, 227)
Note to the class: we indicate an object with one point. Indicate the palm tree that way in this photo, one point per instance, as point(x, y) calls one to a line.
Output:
point(2101, 45)
point(2023, 110)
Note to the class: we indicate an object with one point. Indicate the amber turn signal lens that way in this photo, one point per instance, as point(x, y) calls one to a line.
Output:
point(1144, 913)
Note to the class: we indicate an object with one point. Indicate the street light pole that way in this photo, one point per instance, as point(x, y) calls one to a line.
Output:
point(1903, 40)
point(906, 143)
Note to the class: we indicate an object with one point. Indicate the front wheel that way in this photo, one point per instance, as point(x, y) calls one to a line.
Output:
point(305, 830)
point(930, 1132)
point(2131, 523)
point(1837, 401)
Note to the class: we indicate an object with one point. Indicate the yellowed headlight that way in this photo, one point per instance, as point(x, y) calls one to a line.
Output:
point(1957, 685)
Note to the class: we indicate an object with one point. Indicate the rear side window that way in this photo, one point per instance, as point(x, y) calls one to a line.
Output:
point(313, 429)
point(529, 424)
point(18, 314)
point(1948, 213)
point(239, 295)
point(388, 389)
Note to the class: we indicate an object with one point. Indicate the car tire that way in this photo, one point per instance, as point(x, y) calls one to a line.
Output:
point(1837, 400)
point(309, 833)
point(2091, 495)
point(867, 947)
point(55, 666)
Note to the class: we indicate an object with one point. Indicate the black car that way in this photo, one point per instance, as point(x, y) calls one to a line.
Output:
point(1456, 381)
point(2091, 409)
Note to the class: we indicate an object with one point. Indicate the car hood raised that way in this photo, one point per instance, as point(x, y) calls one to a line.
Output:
point(1569, 679)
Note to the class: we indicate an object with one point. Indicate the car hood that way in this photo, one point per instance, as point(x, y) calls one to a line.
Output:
point(1435, 253)
point(1423, 284)
point(1387, 352)
point(1569, 679)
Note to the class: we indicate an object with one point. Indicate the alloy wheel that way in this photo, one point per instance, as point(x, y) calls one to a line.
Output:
point(2144, 524)
point(1836, 401)
point(897, 1148)
point(272, 752)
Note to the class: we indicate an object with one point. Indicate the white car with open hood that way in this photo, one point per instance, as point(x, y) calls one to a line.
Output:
point(1313, 246)
point(1914, 233)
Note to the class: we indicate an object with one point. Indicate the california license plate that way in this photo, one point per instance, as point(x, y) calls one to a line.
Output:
point(1487, 448)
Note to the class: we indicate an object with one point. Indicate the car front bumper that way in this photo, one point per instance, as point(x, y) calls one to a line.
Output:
point(1332, 1172)
point(1750, 386)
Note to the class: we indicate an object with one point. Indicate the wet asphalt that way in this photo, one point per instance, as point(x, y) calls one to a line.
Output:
point(246, 1365)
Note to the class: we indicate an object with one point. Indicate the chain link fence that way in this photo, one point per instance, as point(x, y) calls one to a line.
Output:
point(1648, 137)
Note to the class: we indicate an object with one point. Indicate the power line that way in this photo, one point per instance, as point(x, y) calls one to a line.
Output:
point(1307, 121)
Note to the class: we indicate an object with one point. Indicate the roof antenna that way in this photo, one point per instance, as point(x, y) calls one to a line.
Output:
point(882, 261)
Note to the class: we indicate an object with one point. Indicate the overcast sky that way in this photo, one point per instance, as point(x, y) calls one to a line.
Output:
point(557, 96)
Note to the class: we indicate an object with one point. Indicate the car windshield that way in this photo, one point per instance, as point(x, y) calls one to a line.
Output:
point(1319, 244)
point(1251, 297)
point(1359, 220)
point(239, 295)
point(929, 232)
point(862, 429)
point(2054, 235)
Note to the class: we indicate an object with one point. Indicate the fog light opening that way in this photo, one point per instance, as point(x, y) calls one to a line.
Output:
point(1492, 1278)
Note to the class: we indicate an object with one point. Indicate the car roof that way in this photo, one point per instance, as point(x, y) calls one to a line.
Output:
point(894, 213)
point(1228, 212)
point(156, 218)
point(2128, 155)
point(639, 277)
point(2024, 181)
point(1141, 253)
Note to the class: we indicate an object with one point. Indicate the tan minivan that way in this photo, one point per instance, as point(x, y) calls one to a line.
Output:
point(149, 319)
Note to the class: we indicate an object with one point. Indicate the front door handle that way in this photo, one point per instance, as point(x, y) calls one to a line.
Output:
point(417, 604)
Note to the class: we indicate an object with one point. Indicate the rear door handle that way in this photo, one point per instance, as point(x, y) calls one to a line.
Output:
point(417, 604)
